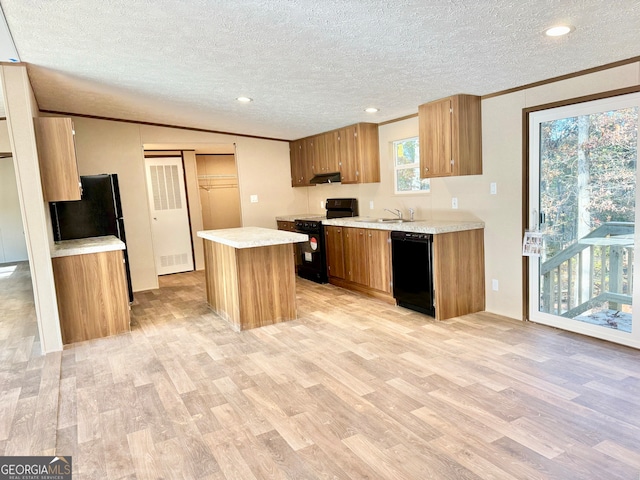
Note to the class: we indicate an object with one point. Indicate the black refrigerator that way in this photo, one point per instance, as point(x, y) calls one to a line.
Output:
point(99, 213)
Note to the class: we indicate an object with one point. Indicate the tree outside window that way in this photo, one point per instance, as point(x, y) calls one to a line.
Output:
point(406, 168)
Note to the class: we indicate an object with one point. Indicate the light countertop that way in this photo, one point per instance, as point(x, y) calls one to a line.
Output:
point(301, 216)
point(83, 246)
point(419, 226)
point(251, 237)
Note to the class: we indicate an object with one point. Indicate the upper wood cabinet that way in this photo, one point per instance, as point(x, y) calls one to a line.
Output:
point(57, 158)
point(318, 158)
point(359, 153)
point(353, 151)
point(331, 161)
point(451, 137)
point(301, 157)
point(295, 155)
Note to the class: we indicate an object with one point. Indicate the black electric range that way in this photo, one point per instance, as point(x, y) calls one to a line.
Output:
point(312, 256)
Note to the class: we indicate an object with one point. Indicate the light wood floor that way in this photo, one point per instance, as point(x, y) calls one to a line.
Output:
point(354, 389)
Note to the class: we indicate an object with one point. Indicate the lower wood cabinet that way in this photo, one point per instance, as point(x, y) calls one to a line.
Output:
point(379, 259)
point(289, 226)
point(360, 259)
point(92, 295)
point(335, 251)
point(286, 225)
point(458, 273)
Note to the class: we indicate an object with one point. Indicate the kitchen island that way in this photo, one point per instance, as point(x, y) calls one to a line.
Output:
point(250, 275)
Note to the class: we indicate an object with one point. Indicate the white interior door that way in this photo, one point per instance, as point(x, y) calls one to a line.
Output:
point(170, 228)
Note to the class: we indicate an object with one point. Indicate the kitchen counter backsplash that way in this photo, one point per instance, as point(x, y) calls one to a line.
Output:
point(418, 226)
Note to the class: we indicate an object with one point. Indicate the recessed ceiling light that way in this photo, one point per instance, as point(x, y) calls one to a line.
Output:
point(371, 110)
point(558, 30)
point(244, 99)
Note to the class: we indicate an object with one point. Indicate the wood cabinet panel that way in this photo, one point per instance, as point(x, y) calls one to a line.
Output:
point(57, 159)
point(286, 225)
point(347, 137)
point(368, 153)
point(335, 251)
point(355, 257)
point(295, 154)
point(450, 137)
point(353, 151)
point(332, 149)
point(93, 301)
point(435, 138)
point(319, 163)
point(378, 253)
point(458, 269)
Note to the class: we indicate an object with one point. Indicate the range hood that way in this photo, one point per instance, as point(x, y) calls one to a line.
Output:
point(326, 178)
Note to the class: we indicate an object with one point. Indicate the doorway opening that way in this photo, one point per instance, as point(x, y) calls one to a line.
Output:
point(219, 191)
point(582, 195)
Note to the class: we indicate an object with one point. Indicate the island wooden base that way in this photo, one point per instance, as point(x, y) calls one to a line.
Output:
point(92, 295)
point(251, 287)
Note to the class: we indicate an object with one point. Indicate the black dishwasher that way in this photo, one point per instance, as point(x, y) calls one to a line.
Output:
point(412, 260)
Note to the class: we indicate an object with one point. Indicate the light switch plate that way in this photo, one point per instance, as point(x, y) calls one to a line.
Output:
point(493, 189)
point(254, 198)
point(370, 204)
point(454, 202)
point(494, 284)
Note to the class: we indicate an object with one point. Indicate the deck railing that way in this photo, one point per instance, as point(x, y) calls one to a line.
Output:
point(594, 270)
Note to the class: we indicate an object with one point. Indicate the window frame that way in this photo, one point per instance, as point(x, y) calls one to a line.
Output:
point(416, 164)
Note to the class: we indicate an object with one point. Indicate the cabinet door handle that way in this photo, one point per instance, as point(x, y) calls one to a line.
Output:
point(426, 169)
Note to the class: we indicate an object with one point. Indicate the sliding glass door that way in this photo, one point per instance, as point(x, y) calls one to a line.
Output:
point(583, 174)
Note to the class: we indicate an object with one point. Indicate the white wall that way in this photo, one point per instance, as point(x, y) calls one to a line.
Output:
point(116, 147)
point(13, 247)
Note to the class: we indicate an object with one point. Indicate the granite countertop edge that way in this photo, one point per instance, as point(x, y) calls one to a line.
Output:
point(301, 216)
point(84, 246)
point(418, 226)
point(252, 237)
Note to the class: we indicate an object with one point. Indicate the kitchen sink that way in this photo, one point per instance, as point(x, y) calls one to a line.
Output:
point(384, 220)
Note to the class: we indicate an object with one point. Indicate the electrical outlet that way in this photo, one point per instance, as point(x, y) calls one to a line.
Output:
point(370, 204)
point(494, 284)
point(321, 204)
point(254, 198)
point(454, 202)
point(493, 189)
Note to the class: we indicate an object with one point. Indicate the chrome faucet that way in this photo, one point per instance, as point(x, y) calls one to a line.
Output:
point(396, 212)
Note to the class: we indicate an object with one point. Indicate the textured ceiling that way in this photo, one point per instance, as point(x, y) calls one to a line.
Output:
point(309, 65)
